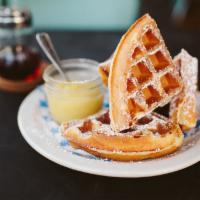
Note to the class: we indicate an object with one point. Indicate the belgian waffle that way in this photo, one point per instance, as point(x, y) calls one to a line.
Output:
point(152, 136)
point(183, 106)
point(104, 69)
point(142, 74)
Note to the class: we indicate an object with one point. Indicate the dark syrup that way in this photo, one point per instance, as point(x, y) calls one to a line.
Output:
point(17, 62)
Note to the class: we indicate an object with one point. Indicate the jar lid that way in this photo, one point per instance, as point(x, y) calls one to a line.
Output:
point(14, 18)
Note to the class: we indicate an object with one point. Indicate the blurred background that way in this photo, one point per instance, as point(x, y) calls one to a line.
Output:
point(81, 14)
point(92, 28)
point(106, 14)
point(177, 19)
point(87, 29)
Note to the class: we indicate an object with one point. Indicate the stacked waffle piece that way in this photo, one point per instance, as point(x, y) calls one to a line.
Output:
point(183, 105)
point(141, 76)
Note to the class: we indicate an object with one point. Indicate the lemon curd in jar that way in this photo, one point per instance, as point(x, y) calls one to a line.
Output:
point(77, 98)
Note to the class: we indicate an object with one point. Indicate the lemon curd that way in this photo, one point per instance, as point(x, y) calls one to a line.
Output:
point(77, 98)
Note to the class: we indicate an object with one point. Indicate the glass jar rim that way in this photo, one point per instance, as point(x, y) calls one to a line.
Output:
point(75, 62)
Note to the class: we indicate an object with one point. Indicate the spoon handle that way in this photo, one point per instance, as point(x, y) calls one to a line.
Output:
point(47, 46)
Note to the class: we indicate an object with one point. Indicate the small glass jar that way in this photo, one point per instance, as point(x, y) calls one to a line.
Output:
point(18, 56)
point(77, 98)
point(21, 65)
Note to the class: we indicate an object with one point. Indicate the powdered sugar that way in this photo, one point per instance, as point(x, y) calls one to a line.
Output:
point(147, 126)
point(183, 106)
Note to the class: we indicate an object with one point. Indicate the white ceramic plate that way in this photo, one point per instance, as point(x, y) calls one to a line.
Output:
point(42, 134)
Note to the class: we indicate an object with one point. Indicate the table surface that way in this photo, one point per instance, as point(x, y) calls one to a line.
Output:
point(24, 174)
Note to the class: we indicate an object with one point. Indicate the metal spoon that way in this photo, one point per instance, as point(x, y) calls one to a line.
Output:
point(46, 44)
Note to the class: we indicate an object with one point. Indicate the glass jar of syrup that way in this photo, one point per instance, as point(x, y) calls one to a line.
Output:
point(19, 60)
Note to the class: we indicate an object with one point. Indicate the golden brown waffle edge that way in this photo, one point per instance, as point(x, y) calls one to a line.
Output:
point(142, 74)
point(183, 105)
point(153, 136)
